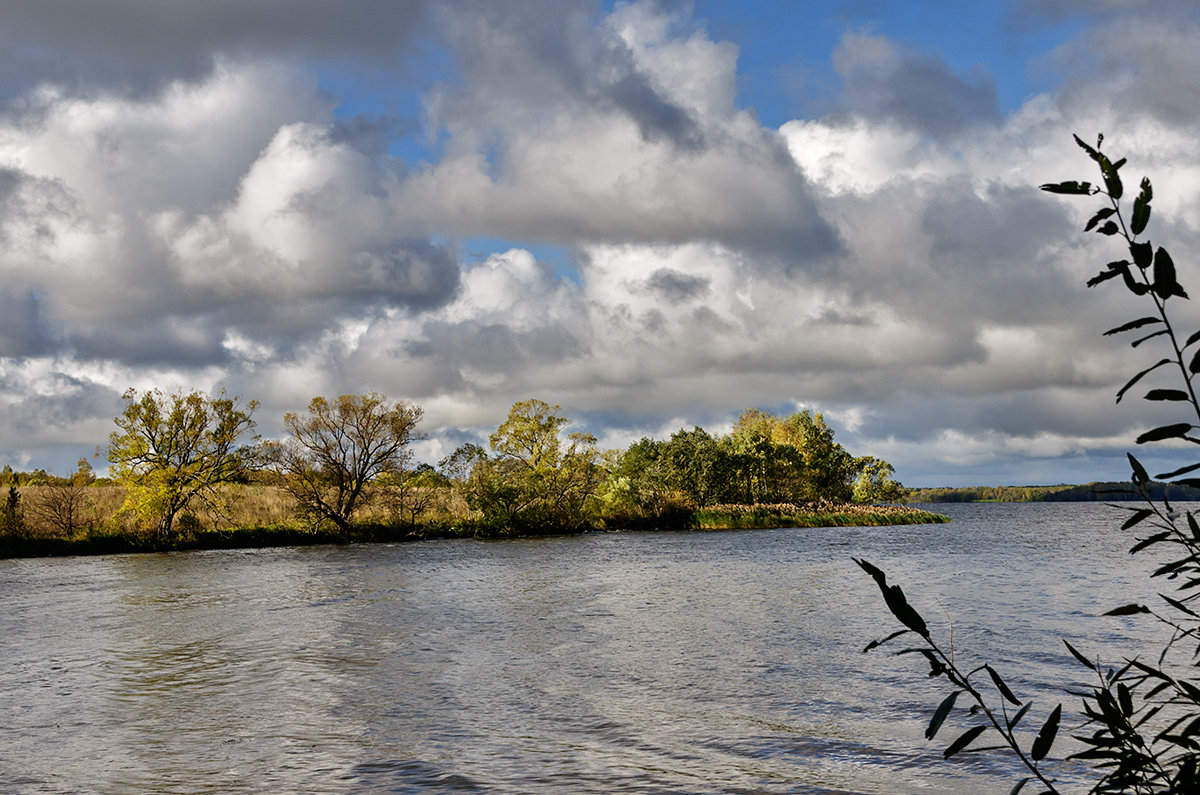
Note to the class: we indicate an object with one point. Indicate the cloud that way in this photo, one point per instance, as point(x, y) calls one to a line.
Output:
point(568, 131)
point(143, 45)
point(917, 91)
point(1142, 68)
point(147, 229)
point(211, 219)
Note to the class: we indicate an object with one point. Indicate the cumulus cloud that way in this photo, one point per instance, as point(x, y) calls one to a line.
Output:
point(146, 229)
point(207, 217)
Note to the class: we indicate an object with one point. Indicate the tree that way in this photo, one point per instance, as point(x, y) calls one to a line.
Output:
point(1141, 717)
point(532, 481)
point(12, 517)
point(791, 458)
point(174, 449)
point(695, 464)
point(61, 504)
point(874, 482)
point(336, 449)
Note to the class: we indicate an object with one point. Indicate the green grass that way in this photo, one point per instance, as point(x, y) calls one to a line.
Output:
point(746, 517)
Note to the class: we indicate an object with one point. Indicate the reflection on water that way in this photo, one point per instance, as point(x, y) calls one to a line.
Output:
point(702, 662)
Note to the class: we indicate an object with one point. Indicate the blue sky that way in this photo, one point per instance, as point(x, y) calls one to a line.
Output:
point(654, 213)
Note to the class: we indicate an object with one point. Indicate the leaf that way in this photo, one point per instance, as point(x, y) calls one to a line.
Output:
point(1079, 656)
point(1139, 471)
point(1172, 431)
point(1191, 483)
point(1102, 277)
point(1181, 471)
point(1138, 342)
point(893, 596)
point(1127, 610)
point(1112, 180)
point(1141, 375)
point(1019, 786)
point(1001, 686)
point(876, 643)
point(1141, 209)
point(1141, 321)
point(1142, 253)
point(1165, 283)
point(1166, 394)
point(1045, 738)
point(1178, 605)
point(1133, 285)
point(1194, 364)
point(1148, 541)
point(1098, 217)
point(1091, 152)
point(1072, 187)
point(1110, 228)
point(1124, 698)
point(962, 742)
point(1012, 723)
point(939, 714)
point(1139, 516)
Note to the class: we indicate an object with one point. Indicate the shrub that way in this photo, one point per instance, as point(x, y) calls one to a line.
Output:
point(1142, 717)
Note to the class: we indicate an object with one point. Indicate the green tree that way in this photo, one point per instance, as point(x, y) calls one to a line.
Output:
point(173, 450)
point(12, 518)
point(695, 464)
point(874, 481)
point(635, 483)
point(336, 449)
point(532, 481)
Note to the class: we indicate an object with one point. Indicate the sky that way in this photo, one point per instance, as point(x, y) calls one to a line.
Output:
point(655, 214)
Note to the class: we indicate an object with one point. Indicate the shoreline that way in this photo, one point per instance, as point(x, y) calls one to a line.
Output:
point(744, 517)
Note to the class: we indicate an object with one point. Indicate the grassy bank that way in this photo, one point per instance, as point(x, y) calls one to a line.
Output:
point(109, 541)
point(744, 517)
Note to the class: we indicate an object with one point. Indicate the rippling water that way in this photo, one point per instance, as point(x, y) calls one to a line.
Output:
point(647, 662)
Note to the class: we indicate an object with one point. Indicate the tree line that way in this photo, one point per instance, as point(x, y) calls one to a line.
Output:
point(1101, 491)
point(177, 454)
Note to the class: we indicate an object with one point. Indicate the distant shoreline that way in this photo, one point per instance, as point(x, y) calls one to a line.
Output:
point(1104, 491)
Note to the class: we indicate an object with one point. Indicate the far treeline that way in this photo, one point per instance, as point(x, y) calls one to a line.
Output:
point(186, 470)
point(1106, 491)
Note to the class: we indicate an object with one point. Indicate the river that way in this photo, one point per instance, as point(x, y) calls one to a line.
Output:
point(611, 662)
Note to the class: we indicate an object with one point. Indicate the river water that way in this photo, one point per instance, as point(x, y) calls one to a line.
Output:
point(613, 662)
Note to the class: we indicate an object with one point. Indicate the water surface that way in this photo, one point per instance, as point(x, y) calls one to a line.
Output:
point(615, 662)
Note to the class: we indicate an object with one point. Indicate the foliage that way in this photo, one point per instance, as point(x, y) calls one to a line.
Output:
point(764, 459)
point(335, 449)
point(1103, 491)
point(61, 503)
point(874, 482)
point(12, 519)
point(532, 481)
point(1141, 730)
point(172, 450)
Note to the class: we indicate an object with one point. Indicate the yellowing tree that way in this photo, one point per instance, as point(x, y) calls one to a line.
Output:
point(808, 463)
point(174, 449)
point(335, 449)
point(533, 481)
